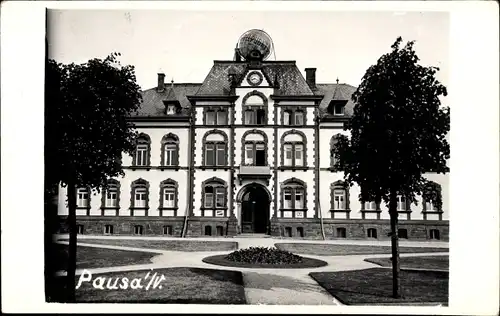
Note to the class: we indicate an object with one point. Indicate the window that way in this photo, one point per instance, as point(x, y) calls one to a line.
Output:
point(370, 206)
point(168, 194)
point(171, 109)
point(432, 198)
point(434, 234)
point(214, 194)
point(339, 200)
point(341, 232)
point(220, 231)
point(254, 108)
point(216, 116)
point(300, 231)
point(140, 194)
point(286, 117)
point(111, 195)
point(210, 118)
point(333, 145)
point(170, 150)
point(338, 109)
point(293, 197)
point(255, 154)
point(401, 199)
point(79, 229)
point(222, 118)
point(293, 149)
point(293, 116)
point(142, 152)
point(167, 230)
point(288, 154)
point(403, 233)
point(288, 231)
point(299, 118)
point(82, 198)
point(372, 233)
point(138, 229)
point(108, 229)
point(208, 230)
point(215, 150)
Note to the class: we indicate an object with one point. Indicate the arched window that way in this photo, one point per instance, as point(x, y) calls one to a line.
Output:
point(215, 150)
point(170, 150)
point(432, 200)
point(293, 198)
point(254, 148)
point(293, 149)
point(168, 198)
point(142, 156)
point(333, 144)
point(110, 199)
point(255, 108)
point(214, 197)
point(139, 196)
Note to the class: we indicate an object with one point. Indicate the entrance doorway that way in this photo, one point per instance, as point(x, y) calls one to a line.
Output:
point(255, 210)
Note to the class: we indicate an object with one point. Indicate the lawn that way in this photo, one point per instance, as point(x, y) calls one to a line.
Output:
point(173, 245)
point(423, 262)
point(338, 250)
point(91, 257)
point(179, 286)
point(374, 286)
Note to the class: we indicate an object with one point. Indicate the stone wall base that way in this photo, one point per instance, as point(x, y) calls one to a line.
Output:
point(309, 228)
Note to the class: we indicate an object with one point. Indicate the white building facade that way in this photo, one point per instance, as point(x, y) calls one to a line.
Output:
point(246, 151)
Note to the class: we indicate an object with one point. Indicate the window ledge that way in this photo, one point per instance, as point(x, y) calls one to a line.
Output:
point(168, 208)
point(139, 208)
point(225, 168)
point(140, 167)
point(432, 212)
point(340, 211)
point(293, 168)
point(83, 207)
point(110, 207)
point(404, 211)
point(213, 208)
point(293, 209)
point(169, 168)
point(371, 211)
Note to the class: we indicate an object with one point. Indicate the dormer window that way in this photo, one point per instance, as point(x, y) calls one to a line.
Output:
point(338, 109)
point(171, 109)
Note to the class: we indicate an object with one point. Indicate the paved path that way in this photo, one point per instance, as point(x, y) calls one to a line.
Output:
point(262, 286)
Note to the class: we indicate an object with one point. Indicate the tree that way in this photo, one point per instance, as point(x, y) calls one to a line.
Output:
point(398, 133)
point(86, 130)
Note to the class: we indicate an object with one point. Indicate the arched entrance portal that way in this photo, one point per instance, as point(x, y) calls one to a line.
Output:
point(255, 210)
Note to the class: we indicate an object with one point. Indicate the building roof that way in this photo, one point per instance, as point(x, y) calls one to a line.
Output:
point(333, 91)
point(152, 100)
point(283, 74)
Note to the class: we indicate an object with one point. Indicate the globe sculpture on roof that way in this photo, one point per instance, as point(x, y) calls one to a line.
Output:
point(255, 45)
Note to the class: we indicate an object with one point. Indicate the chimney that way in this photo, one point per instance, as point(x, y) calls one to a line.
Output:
point(161, 82)
point(311, 78)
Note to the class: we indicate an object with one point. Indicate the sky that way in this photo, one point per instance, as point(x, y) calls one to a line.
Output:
point(184, 44)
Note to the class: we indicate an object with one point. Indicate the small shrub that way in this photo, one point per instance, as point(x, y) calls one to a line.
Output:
point(264, 255)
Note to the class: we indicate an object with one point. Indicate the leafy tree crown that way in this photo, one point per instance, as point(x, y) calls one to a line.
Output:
point(398, 128)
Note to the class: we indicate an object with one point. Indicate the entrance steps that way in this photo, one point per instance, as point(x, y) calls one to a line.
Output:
point(252, 235)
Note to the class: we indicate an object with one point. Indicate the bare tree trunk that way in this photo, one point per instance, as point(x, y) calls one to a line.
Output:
point(396, 282)
point(71, 269)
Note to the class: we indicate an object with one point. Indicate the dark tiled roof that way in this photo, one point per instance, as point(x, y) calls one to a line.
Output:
point(290, 79)
point(152, 100)
point(332, 91)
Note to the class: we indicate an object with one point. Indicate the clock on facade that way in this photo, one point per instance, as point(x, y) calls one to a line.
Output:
point(254, 78)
